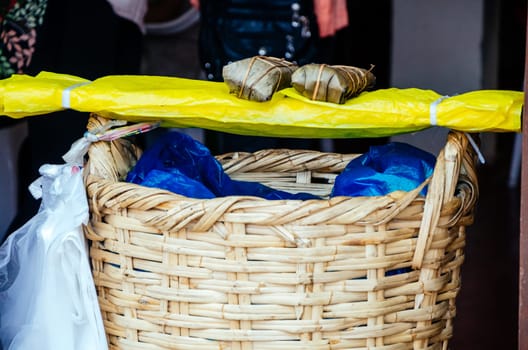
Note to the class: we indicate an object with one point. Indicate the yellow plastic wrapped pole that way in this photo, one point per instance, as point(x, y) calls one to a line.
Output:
point(179, 102)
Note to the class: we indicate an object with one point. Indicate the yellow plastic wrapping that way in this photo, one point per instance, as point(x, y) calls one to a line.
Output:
point(179, 102)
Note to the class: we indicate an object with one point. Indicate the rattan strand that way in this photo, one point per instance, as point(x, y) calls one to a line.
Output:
point(247, 273)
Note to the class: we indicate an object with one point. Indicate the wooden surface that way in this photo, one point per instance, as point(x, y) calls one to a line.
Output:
point(523, 242)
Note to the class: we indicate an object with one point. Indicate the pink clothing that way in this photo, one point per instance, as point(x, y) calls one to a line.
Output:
point(332, 15)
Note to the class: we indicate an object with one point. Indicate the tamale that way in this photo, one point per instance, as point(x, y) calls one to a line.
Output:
point(257, 78)
point(336, 84)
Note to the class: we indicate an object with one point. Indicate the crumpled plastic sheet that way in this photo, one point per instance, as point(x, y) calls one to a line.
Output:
point(48, 299)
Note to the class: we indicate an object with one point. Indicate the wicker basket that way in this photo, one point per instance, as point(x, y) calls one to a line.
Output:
point(248, 273)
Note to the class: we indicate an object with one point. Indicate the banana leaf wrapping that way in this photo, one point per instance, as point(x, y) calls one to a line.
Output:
point(257, 78)
point(336, 84)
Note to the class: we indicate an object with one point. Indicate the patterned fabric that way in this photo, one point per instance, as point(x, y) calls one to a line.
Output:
point(19, 20)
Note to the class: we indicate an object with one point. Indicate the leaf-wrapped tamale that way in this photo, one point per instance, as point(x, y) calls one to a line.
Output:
point(334, 84)
point(257, 78)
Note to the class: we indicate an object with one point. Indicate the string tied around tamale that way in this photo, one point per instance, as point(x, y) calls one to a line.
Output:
point(276, 63)
point(318, 81)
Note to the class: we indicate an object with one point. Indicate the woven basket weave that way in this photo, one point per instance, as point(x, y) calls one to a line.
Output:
point(248, 273)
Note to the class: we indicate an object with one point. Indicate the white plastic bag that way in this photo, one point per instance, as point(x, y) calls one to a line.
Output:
point(47, 295)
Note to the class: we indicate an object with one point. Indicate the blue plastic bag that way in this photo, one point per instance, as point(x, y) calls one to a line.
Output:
point(180, 164)
point(385, 169)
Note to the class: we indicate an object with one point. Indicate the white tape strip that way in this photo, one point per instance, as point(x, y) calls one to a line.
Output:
point(66, 93)
point(433, 118)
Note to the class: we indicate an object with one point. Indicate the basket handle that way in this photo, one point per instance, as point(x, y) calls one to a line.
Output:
point(441, 189)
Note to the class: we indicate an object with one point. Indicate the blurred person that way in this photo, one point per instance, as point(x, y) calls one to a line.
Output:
point(19, 21)
point(290, 29)
point(85, 38)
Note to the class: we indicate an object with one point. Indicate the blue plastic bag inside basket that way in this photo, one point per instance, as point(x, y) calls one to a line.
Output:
point(180, 164)
point(385, 169)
